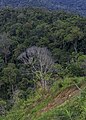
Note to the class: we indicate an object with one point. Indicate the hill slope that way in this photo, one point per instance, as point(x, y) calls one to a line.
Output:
point(73, 5)
point(61, 106)
point(25, 89)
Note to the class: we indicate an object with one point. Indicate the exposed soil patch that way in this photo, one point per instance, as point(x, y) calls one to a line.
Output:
point(62, 97)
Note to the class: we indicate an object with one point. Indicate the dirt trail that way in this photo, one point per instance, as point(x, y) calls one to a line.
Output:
point(62, 97)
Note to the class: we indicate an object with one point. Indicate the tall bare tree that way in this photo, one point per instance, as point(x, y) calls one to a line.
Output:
point(40, 61)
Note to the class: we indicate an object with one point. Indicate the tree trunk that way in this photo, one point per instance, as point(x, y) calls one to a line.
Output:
point(12, 89)
point(75, 46)
point(44, 84)
point(5, 59)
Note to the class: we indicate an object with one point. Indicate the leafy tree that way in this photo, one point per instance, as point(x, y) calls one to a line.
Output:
point(74, 37)
point(2, 107)
point(82, 63)
point(5, 46)
point(10, 76)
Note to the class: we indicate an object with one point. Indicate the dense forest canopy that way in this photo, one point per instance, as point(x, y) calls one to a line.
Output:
point(37, 48)
point(78, 6)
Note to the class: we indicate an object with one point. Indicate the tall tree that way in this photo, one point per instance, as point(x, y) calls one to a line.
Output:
point(5, 43)
point(40, 61)
point(10, 76)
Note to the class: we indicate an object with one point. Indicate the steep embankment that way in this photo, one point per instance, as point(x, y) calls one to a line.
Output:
point(63, 96)
point(49, 107)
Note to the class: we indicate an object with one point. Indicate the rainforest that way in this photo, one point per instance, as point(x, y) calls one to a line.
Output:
point(42, 64)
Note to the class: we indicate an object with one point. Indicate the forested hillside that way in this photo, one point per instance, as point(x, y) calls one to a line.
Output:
point(42, 54)
point(78, 6)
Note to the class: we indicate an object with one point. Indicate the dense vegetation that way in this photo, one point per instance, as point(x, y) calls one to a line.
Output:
point(41, 52)
point(72, 5)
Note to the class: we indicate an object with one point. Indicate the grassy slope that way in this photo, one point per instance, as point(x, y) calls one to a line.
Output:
point(72, 109)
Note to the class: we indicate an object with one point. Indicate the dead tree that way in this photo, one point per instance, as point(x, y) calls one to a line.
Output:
point(41, 62)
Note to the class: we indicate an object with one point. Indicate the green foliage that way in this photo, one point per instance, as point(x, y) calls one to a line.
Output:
point(64, 35)
point(82, 63)
point(72, 110)
point(10, 73)
point(2, 107)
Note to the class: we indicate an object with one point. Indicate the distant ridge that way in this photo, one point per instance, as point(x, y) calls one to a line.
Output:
point(71, 5)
